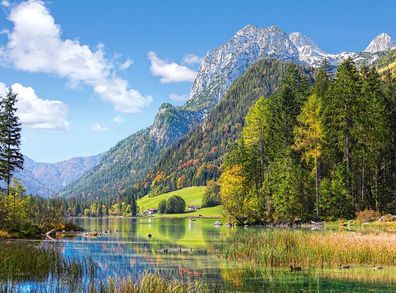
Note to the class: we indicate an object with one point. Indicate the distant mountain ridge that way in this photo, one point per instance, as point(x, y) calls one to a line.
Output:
point(129, 161)
point(45, 179)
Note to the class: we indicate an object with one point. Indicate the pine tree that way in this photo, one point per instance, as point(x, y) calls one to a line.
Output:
point(322, 80)
point(389, 89)
point(133, 207)
point(371, 132)
point(11, 158)
point(285, 106)
point(340, 113)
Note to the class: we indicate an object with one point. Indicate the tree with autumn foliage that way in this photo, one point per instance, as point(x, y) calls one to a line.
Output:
point(256, 130)
point(309, 136)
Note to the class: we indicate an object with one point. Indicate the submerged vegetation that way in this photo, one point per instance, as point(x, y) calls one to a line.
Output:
point(23, 261)
point(310, 249)
point(43, 264)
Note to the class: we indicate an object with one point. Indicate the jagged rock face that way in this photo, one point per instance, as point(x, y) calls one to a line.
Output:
point(171, 123)
point(383, 42)
point(309, 52)
point(222, 66)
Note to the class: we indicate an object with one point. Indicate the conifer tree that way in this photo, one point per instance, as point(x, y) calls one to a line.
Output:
point(285, 106)
point(11, 158)
point(340, 113)
point(371, 134)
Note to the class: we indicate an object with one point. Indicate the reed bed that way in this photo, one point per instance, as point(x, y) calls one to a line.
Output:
point(149, 282)
point(33, 261)
point(311, 249)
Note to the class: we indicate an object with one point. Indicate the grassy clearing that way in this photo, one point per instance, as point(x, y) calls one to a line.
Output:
point(191, 195)
point(310, 249)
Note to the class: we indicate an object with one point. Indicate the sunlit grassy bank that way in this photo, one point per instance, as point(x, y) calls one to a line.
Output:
point(191, 195)
point(310, 249)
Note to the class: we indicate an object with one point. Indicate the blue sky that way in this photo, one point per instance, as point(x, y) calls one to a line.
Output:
point(111, 85)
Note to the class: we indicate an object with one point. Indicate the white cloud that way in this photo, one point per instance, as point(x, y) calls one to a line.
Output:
point(5, 3)
point(98, 127)
point(118, 119)
point(35, 45)
point(125, 65)
point(178, 98)
point(35, 112)
point(170, 72)
point(192, 59)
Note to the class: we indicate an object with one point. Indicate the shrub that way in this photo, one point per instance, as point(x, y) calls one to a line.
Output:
point(4, 234)
point(162, 206)
point(173, 205)
point(367, 215)
point(387, 218)
point(211, 197)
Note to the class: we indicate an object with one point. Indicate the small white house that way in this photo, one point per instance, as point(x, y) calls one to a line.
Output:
point(152, 211)
point(193, 208)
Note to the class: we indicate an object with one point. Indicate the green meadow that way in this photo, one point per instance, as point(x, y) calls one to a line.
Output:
point(191, 195)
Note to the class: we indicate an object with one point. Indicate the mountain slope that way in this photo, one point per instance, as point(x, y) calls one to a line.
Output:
point(130, 160)
point(388, 62)
point(45, 179)
point(196, 158)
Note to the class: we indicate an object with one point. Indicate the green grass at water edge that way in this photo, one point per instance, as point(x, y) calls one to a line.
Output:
point(309, 249)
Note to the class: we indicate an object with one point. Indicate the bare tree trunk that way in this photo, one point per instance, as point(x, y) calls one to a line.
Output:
point(362, 191)
point(262, 150)
point(317, 188)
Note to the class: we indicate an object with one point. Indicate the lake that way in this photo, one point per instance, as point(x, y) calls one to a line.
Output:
point(184, 249)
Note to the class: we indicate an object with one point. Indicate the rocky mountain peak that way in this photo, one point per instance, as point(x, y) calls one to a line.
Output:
point(301, 41)
point(382, 42)
point(223, 65)
point(246, 30)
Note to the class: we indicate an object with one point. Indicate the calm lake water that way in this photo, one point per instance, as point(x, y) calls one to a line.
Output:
point(127, 251)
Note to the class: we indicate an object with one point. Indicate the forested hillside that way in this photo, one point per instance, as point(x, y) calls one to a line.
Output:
point(196, 158)
point(326, 151)
point(388, 62)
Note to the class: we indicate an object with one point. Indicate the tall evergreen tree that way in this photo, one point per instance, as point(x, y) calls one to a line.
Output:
point(11, 158)
point(285, 106)
point(390, 157)
point(340, 113)
point(322, 80)
point(371, 132)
